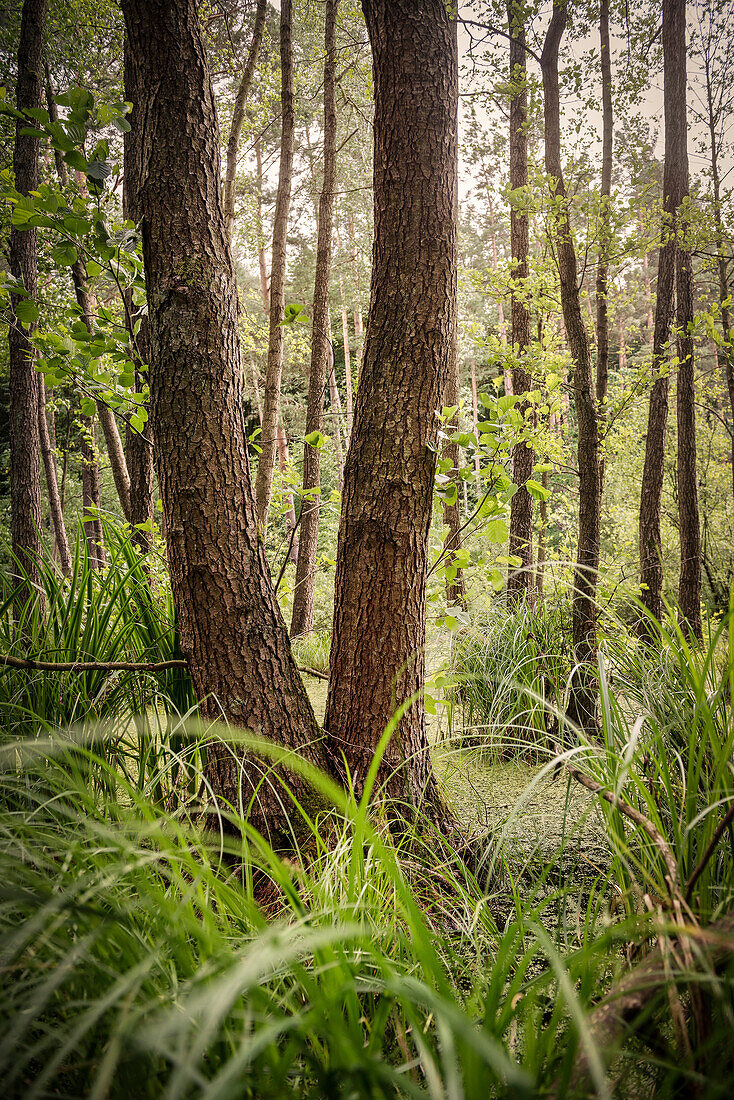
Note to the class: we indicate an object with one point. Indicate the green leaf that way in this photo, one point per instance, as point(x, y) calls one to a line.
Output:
point(536, 489)
point(75, 160)
point(98, 170)
point(27, 311)
point(88, 407)
point(315, 439)
point(65, 254)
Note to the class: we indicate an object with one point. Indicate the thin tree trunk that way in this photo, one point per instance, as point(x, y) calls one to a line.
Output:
point(648, 291)
point(261, 260)
point(674, 175)
point(582, 703)
point(721, 254)
point(358, 325)
point(689, 587)
point(455, 588)
point(303, 595)
point(605, 212)
point(377, 658)
point(25, 467)
point(519, 580)
point(347, 357)
point(542, 529)
point(284, 460)
point(335, 403)
point(271, 406)
point(91, 493)
point(238, 114)
point(475, 421)
point(61, 540)
point(232, 632)
point(622, 345)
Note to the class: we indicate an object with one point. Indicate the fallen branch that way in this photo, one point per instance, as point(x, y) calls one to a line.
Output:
point(710, 849)
point(639, 819)
point(112, 666)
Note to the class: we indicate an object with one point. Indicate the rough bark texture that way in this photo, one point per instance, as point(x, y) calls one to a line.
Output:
point(303, 594)
point(271, 404)
point(582, 700)
point(25, 466)
point(138, 445)
point(238, 114)
point(61, 540)
point(519, 581)
point(232, 632)
point(377, 659)
point(116, 455)
point(689, 586)
point(605, 211)
point(674, 180)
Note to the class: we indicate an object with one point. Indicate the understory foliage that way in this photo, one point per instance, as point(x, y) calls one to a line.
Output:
point(154, 946)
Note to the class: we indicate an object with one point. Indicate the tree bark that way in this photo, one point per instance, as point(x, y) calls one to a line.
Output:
point(61, 539)
point(689, 586)
point(455, 587)
point(261, 260)
point(674, 179)
point(271, 405)
point(520, 580)
point(303, 594)
point(582, 703)
point(238, 114)
point(91, 493)
point(232, 632)
point(377, 659)
point(605, 213)
point(25, 467)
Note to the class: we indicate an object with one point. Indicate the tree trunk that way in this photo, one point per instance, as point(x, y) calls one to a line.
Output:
point(475, 422)
point(689, 587)
point(61, 539)
point(284, 459)
point(271, 406)
point(377, 658)
point(455, 588)
point(605, 212)
point(358, 327)
point(303, 595)
point(261, 260)
point(519, 581)
point(25, 467)
point(674, 182)
point(91, 493)
point(582, 703)
point(232, 632)
point(238, 114)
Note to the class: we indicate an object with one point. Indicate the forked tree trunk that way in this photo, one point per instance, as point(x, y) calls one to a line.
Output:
point(519, 580)
point(674, 182)
point(25, 466)
point(303, 593)
point(605, 212)
point(377, 659)
point(582, 704)
point(271, 404)
point(231, 628)
point(238, 114)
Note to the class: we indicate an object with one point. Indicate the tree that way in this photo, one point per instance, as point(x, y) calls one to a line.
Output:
point(238, 114)
point(519, 581)
point(605, 213)
point(377, 660)
point(232, 632)
point(271, 405)
point(675, 180)
point(25, 469)
point(582, 701)
point(303, 595)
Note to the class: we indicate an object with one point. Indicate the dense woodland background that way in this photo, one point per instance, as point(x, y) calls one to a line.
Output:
point(367, 498)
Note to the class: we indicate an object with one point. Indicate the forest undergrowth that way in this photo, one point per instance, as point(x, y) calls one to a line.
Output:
point(153, 944)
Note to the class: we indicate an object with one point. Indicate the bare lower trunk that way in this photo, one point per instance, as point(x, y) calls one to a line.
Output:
point(582, 703)
point(261, 261)
point(358, 326)
point(347, 357)
point(61, 540)
point(519, 580)
point(271, 405)
point(475, 422)
point(284, 460)
point(689, 588)
point(455, 588)
point(91, 493)
point(25, 466)
point(674, 186)
point(377, 660)
point(232, 632)
point(605, 211)
point(321, 359)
